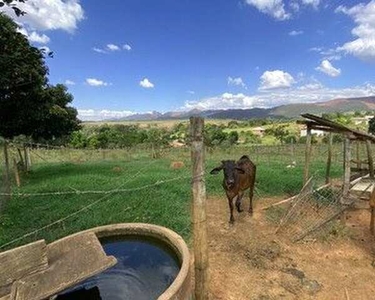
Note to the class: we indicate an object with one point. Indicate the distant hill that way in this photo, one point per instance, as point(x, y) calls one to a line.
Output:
point(283, 111)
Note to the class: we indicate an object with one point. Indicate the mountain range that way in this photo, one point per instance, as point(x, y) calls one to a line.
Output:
point(283, 111)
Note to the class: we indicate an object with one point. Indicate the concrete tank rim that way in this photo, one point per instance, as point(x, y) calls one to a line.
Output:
point(167, 235)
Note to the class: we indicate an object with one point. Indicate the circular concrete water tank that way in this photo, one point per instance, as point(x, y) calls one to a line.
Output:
point(181, 288)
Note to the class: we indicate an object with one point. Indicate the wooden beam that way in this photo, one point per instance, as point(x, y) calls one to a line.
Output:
point(307, 155)
point(199, 209)
point(329, 158)
point(370, 159)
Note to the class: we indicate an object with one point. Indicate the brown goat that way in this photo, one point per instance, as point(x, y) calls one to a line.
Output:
point(238, 177)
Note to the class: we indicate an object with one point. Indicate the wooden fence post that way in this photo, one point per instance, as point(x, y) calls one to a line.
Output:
point(16, 173)
point(346, 181)
point(370, 159)
point(307, 154)
point(7, 187)
point(358, 157)
point(27, 158)
point(199, 209)
point(329, 158)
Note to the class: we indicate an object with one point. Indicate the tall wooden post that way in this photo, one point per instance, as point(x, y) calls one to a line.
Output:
point(347, 159)
point(26, 151)
point(307, 154)
point(199, 209)
point(329, 158)
point(346, 181)
point(16, 173)
point(370, 159)
point(358, 157)
point(7, 187)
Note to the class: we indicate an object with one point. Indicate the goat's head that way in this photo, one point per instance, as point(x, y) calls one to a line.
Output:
point(231, 171)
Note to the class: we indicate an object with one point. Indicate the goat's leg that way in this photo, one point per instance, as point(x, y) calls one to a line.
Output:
point(231, 206)
point(238, 201)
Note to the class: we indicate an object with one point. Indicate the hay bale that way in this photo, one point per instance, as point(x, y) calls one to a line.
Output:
point(116, 169)
point(177, 165)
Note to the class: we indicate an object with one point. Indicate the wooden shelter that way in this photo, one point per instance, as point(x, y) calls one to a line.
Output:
point(313, 122)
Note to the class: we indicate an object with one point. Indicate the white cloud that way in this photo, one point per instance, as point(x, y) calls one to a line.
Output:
point(147, 84)
point(328, 54)
point(363, 46)
point(327, 68)
point(127, 47)
point(274, 8)
point(295, 32)
point(69, 82)
point(236, 81)
point(309, 93)
point(294, 6)
point(98, 115)
point(96, 82)
point(49, 14)
point(34, 37)
point(276, 79)
point(99, 50)
point(190, 92)
point(313, 3)
point(113, 47)
point(39, 38)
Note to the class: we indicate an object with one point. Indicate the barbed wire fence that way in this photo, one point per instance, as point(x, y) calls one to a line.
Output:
point(287, 156)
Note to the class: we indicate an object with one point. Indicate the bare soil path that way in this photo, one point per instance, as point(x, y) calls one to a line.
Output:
point(248, 261)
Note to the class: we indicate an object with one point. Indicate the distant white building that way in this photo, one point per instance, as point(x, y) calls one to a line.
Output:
point(258, 131)
point(362, 120)
point(316, 132)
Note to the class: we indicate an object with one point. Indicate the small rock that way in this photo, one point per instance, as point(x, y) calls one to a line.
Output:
point(312, 286)
point(296, 273)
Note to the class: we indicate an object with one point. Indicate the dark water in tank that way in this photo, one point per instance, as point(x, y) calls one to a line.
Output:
point(145, 269)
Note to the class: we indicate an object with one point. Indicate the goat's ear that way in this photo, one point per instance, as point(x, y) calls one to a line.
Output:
point(216, 170)
point(240, 170)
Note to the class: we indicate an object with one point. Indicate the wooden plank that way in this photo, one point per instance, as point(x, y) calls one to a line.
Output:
point(20, 262)
point(72, 260)
point(199, 209)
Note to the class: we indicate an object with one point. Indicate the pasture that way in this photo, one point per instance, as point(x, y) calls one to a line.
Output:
point(70, 190)
point(140, 200)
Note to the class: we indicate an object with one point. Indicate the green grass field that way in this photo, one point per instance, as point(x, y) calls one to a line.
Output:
point(167, 204)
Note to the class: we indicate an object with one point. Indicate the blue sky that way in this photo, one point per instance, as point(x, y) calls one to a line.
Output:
point(127, 56)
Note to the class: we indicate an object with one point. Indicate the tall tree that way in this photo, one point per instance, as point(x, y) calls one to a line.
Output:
point(59, 118)
point(28, 105)
point(23, 77)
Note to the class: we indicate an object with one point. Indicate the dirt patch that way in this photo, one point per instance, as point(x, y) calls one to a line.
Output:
point(249, 261)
